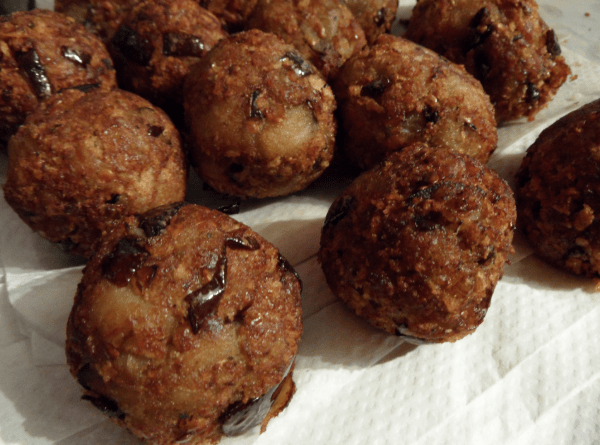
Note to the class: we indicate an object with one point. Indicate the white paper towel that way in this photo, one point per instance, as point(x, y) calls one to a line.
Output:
point(530, 374)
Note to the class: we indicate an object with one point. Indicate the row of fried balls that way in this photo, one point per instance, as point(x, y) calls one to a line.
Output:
point(260, 113)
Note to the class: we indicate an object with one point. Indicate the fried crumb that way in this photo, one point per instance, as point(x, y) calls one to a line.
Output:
point(72, 178)
point(185, 326)
point(557, 192)
point(417, 244)
point(510, 49)
point(380, 113)
point(270, 112)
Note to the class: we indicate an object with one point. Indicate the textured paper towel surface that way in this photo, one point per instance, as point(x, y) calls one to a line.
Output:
point(529, 374)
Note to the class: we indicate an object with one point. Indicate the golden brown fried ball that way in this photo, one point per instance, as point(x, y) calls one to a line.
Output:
point(324, 31)
point(101, 17)
point(558, 192)
point(185, 326)
point(232, 13)
point(374, 16)
point(397, 93)
point(417, 244)
point(158, 42)
point(82, 161)
point(260, 117)
point(41, 53)
point(105, 16)
point(503, 43)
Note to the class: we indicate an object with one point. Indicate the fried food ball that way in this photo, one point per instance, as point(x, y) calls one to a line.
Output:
point(158, 42)
point(185, 326)
point(503, 43)
point(397, 93)
point(260, 117)
point(417, 245)
point(82, 161)
point(558, 192)
point(324, 31)
point(102, 17)
point(232, 13)
point(374, 16)
point(41, 53)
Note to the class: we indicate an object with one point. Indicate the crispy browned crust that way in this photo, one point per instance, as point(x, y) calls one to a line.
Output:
point(558, 192)
point(374, 16)
point(324, 31)
point(41, 53)
point(281, 399)
point(397, 93)
point(104, 16)
point(82, 161)
point(158, 42)
point(261, 118)
point(503, 43)
point(417, 244)
point(157, 354)
point(101, 17)
point(232, 13)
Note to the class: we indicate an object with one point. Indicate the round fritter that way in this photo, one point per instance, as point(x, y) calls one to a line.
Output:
point(503, 43)
point(324, 31)
point(102, 17)
point(185, 326)
point(558, 192)
point(261, 118)
point(397, 93)
point(158, 42)
point(41, 53)
point(232, 13)
point(82, 161)
point(417, 245)
point(374, 16)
